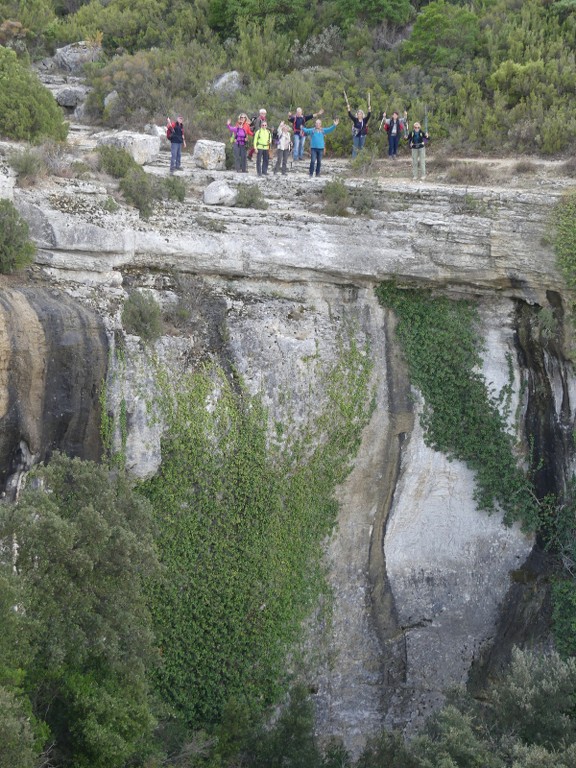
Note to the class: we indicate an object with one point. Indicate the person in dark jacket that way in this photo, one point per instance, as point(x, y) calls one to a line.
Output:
point(298, 121)
point(359, 127)
point(394, 127)
point(417, 139)
point(175, 134)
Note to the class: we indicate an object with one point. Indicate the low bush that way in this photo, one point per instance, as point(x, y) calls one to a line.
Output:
point(363, 201)
point(467, 173)
point(366, 163)
point(569, 167)
point(16, 250)
point(141, 316)
point(174, 188)
point(336, 197)
point(115, 161)
point(525, 166)
point(139, 190)
point(29, 165)
point(250, 196)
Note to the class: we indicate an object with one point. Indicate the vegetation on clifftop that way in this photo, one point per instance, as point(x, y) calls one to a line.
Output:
point(492, 75)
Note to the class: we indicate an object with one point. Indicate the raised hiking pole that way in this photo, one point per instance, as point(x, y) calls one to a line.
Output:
point(425, 118)
point(405, 123)
point(347, 102)
point(382, 121)
point(369, 109)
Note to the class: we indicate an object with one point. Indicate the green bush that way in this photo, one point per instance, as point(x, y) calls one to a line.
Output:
point(141, 316)
point(337, 199)
point(17, 747)
point(140, 190)
point(29, 165)
point(115, 161)
point(174, 188)
point(564, 236)
point(250, 196)
point(16, 250)
point(28, 110)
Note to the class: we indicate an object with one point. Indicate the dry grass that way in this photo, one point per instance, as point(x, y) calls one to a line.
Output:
point(468, 173)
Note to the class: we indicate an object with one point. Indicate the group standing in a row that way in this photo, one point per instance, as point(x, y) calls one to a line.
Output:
point(255, 136)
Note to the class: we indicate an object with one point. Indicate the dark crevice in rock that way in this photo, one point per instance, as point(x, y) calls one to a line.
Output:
point(525, 617)
point(401, 422)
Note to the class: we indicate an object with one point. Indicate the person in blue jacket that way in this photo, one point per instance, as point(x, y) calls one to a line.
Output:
point(317, 143)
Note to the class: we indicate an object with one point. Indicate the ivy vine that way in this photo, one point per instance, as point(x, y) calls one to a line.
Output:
point(462, 417)
point(242, 511)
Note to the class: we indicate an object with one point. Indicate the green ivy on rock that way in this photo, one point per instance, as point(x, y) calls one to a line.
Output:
point(241, 522)
point(461, 417)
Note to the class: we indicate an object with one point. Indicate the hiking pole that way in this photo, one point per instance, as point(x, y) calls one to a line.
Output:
point(425, 118)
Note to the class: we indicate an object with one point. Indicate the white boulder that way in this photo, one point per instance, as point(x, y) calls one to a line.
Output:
point(210, 155)
point(229, 82)
point(143, 147)
point(219, 193)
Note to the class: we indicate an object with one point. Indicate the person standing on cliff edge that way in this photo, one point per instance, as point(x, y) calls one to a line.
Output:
point(417, 140)
point(175, 135)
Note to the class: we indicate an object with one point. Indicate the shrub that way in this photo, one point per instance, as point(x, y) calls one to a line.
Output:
point(16, 250)
point(174, 188)
point(116, 161)
point(336, 198)
point(28, 110)
point(141, 316)
point(17, 748)
point(139, 190)
point(467, 173)
point(564, 221)
point(363, 201)
point(250, 196)
point(365, 163)
point(29, 165)
point(569, 167)
point(110, 205)
point(525, 166)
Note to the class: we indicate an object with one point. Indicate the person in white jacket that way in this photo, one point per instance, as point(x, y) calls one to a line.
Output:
point(283, 148)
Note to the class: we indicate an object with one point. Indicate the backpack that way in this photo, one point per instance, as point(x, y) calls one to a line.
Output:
point(169, 130)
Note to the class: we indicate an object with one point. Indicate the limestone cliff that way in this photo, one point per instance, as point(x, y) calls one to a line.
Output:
point(419, 575)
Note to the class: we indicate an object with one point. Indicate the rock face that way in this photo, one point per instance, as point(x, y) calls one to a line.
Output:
point(419, 575)
point(53, 363)
point(71, 58)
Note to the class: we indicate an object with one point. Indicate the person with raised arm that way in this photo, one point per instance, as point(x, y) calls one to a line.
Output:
point(298, 121)
point(359, 126)
point(318, 144)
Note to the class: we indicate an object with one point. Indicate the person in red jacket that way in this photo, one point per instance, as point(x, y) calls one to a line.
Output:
point(175, 134)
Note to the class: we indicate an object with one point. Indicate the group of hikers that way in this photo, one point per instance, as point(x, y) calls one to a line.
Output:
point(255, 135)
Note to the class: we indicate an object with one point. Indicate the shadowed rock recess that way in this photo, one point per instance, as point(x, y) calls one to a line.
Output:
point(421, 579)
